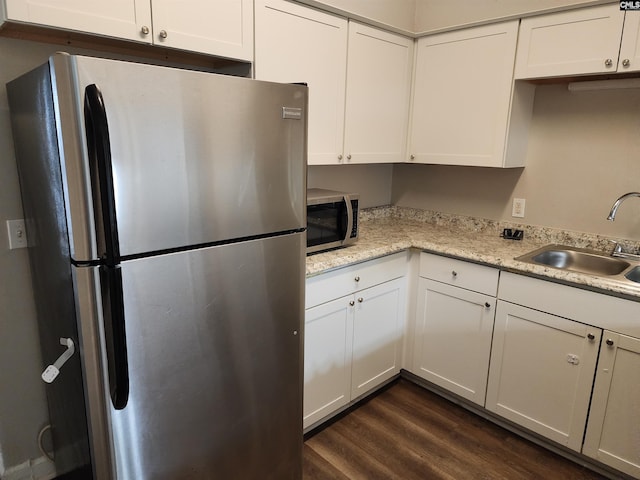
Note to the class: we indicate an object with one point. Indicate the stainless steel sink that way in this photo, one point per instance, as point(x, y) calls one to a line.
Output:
point(578, 260)
point(633, 274)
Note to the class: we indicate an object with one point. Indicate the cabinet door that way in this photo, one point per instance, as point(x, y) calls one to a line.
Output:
point(453, 338)
point(629, 59)
point(117, 18)
point(613, 431)
point(223, 28)
point(462, 94)
point(586, 40)
point(299, 44)
point(378, 86)
point(541, 372)
point(376, 335)
point(327, 358)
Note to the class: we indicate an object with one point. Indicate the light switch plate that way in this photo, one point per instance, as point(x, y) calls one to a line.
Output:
point(17, 234)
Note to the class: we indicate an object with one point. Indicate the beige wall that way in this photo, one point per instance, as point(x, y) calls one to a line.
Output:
point(372, 182)
point(584, 152)
point(393, 14)
point(435, 15)
point(428, 16)
point(23, 410)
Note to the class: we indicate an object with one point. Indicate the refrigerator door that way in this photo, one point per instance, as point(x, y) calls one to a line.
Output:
point(195, 157)
point(214, 342)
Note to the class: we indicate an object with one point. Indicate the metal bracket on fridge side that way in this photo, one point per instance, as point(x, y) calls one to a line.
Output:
point(52, 371)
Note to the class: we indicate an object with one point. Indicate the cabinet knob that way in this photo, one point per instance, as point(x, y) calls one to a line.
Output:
point(352, 303)
point(608, 62)
point(349, 157)
point(360, 300)
point(340, 157)
point(487, 305)
point(626, 62)
point(591, 336)
point(144, 30)
point(163, 34)
point(454, 274)
point(609, 342)
point(412, 157)
point(357, 279)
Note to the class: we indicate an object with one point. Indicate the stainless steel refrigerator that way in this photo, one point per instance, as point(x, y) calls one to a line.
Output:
point(165, 212)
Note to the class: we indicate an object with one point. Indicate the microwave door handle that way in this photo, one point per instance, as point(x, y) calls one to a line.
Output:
point(347, 232)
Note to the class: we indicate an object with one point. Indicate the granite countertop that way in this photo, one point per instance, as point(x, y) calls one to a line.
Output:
point(387, 230)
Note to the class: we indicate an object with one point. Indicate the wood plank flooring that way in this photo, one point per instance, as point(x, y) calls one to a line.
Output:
point(407, 432)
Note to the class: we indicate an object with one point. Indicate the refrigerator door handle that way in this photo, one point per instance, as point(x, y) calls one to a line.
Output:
point(115, 333)
point(99, 149)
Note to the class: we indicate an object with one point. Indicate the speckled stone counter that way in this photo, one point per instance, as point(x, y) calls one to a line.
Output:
point(386, 230)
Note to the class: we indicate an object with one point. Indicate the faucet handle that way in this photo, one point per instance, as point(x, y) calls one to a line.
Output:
point(617, 248)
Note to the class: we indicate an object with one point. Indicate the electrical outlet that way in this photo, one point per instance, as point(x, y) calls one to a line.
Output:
point(518, 207)
point(17, 234)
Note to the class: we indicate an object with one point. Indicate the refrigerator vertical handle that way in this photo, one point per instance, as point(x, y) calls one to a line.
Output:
point(116, 339)
point(104, 204)
point(99, 150)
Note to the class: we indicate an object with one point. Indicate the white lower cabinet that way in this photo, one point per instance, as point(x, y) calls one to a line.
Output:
point(352, 343)
point(327, 358)
point(454, 323)
point(376, 335)
point(613, 431)
point(541, 374)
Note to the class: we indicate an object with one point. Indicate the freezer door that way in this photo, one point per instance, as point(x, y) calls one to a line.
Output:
point(214, 342)
point(195, 157)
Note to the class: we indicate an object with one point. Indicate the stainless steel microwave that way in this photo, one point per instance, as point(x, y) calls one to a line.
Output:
point(332, 219)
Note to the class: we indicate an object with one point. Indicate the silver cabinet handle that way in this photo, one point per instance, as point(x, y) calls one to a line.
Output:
point(609, 342)
point(360, 300)
point(352, 303)
point(487, 305)
point(591, 336)
point(144, 30)
point(163, 34)
point(412, 157)
point(349, 157)
point(340, 157)
point(357, 279)
point(608, 62)
point(626, 62)
point(454, 274)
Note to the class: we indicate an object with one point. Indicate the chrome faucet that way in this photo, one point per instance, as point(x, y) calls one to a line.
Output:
point(614, 209)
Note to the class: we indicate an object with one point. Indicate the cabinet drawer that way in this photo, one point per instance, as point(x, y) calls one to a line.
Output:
point(603, 311)
point(345, 281)
point(471, 276)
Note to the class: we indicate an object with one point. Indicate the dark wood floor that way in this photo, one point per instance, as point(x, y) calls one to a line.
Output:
point(407, 432)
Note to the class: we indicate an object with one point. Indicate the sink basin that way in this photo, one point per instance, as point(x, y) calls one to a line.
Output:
point(633, 274)
point(578, 260)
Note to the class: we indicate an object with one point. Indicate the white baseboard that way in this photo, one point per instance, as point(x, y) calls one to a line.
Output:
point(37, 469)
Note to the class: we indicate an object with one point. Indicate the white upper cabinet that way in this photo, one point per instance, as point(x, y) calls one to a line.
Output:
point(223, 28)
point(299, 44)
point(353, 71)
point(118, 18)
point(466, 108)
point(577, 42)
point(378, 91)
